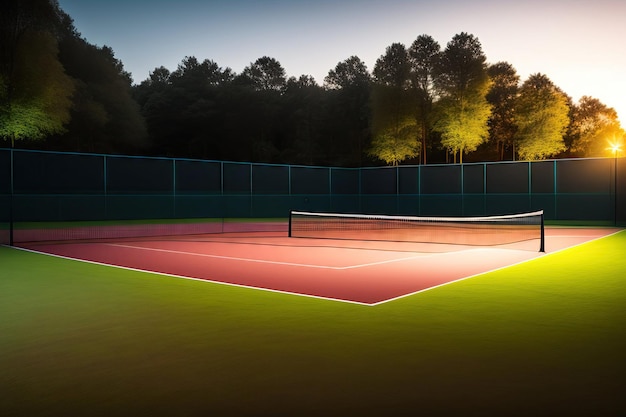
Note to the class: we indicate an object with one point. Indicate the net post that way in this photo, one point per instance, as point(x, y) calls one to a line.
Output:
point(290, 214)
point(542, 244)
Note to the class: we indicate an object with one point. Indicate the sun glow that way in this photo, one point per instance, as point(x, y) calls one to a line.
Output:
point(615, 147)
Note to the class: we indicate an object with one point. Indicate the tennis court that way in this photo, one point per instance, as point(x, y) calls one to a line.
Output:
point(363, 268)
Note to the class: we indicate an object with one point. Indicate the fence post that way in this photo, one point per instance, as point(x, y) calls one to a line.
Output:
point(11, 191)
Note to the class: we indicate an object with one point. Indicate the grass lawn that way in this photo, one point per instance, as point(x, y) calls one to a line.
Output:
point(544, 338)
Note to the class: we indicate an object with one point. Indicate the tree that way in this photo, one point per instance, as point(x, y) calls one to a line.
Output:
point(347, 74)
point(542, 116)
point(593, 128)
point(303, 111)
point(462, 83)
point(347, 104)
point(394, 126)
point(160, 76)
point(185, 109)
point(193, 74)
point(265, 74)
point(393, 69)
point(501, 96)
point(105, 116)
point(35, 92)
point(423, 56)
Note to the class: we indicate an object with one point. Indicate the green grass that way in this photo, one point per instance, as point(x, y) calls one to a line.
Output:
point(544, 338)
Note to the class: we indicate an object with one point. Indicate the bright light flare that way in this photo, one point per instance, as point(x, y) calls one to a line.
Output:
point(614, 147)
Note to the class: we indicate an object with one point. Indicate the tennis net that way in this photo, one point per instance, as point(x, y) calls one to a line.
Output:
point(46, 232)
point(478, 231)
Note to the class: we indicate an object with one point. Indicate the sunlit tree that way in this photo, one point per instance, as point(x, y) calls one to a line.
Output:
point(462, 83)
point(36, 95)
point(594, 126)
point(35, 92)
point(394, 127)
point(542, 117)
point(424, 55)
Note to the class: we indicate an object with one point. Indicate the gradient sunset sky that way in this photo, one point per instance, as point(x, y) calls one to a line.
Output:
point(578, 44)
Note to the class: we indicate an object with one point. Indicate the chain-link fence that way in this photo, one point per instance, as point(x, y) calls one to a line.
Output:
point(68, 187)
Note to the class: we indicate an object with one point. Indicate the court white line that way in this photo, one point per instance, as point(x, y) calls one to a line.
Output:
point(542, 255)
point(210, 281)
point(360, 303)
point(262, 261)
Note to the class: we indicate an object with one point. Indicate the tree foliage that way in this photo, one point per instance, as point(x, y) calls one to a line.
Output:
point(424, 55)
point(542, 116)
point(58, 87)
point(393, 68)
point(349, 73)
point(265, 74)
point(348, 112)
point(594, 128)
point(59, 92)
point(462, 83)
point(394, 127)
point(502, 95)
point(105, 116)
point(35, 92)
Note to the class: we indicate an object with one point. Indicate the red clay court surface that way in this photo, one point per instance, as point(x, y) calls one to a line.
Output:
point(359, 272)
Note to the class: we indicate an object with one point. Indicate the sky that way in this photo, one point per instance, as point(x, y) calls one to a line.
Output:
point(578, 44)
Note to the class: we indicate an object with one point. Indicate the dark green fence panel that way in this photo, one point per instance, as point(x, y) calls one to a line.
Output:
point(542, 177)
point(130, 207)
point(408, 180)
point(198, 177)
point(441, 205)
point(346, 203)
point(198, 206)
point(313, 202)
point(54, 207)
point(475, 205)
point(440, 179)
point(237, 178)
point(5, 196)
point(584, 176)
point(270, 179)
point(620, 191)
point(310, 180)
point(270, 206)
point(474, 179)
point(379, 204)
point(237, 206)
point(501, 203)
point(127, 175)
point(409, 205)
point(545, 202)
point(5, 171)
point(345, 181)
point(507, 178)
point(57, 173)
point(584, 207)
point(378, 180)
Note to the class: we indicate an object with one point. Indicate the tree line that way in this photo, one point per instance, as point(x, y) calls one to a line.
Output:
point(421, 103)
